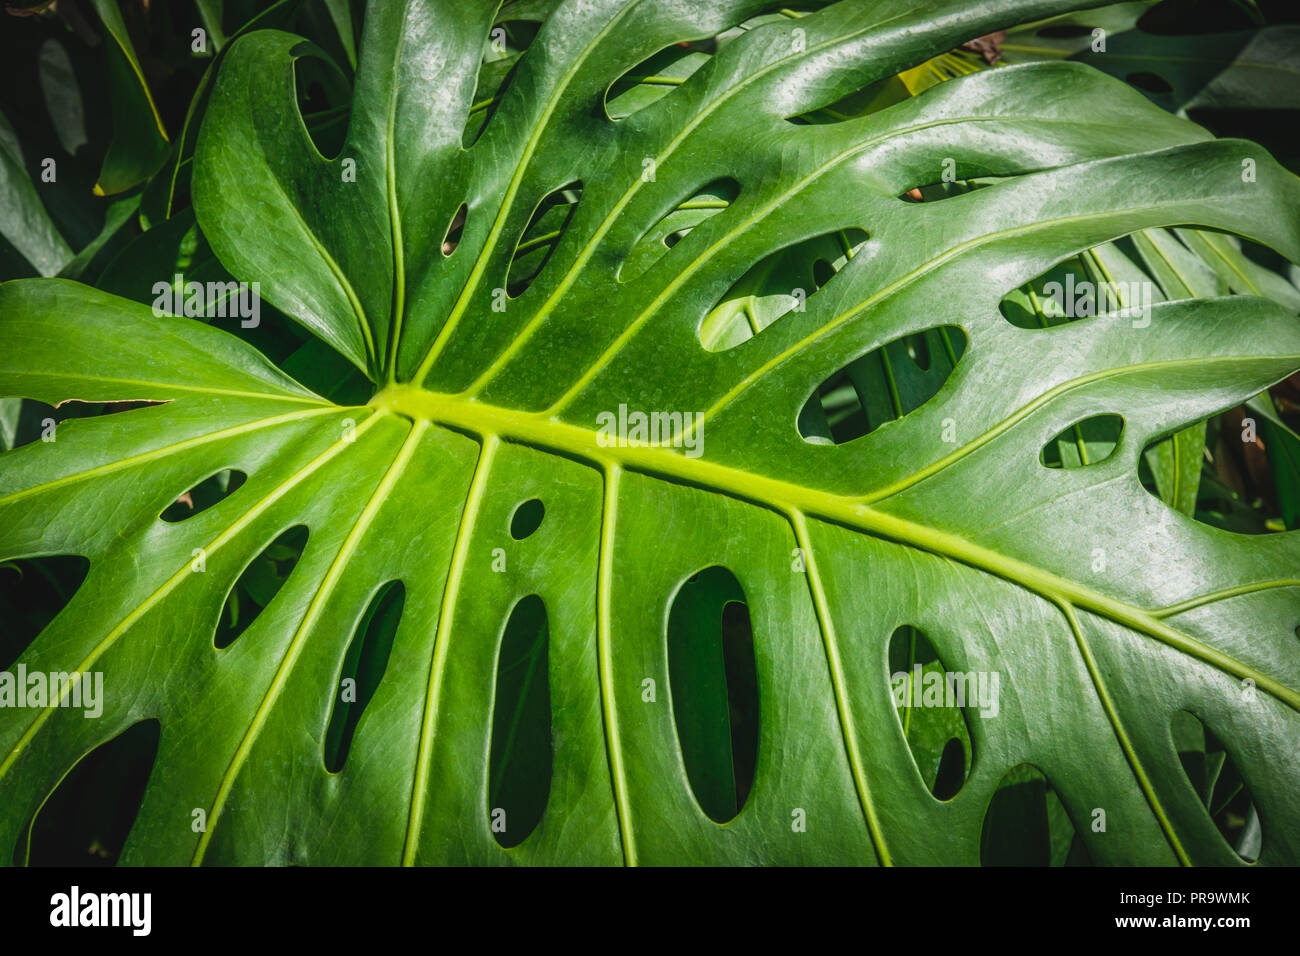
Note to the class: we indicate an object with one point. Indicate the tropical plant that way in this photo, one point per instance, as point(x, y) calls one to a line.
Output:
point(421, 592)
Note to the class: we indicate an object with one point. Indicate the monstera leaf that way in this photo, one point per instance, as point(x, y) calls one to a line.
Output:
point(478, 577)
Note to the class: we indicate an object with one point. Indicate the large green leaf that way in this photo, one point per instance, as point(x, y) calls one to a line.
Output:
point(1103, 611)
point(139, 144)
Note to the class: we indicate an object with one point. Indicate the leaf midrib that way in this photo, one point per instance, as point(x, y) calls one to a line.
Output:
point(782, 497)
point(493, 424)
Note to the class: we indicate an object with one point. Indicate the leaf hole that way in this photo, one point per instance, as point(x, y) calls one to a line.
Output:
point(319, 83)
point(1088, 442)
point(87, 818)
point(952, 771)
point(549, 222)
point(654, 78)
point(931, 705)
point(946, 189)
point(868, 99)
point(705, 203)
point(822, 272)
point(364, 664)
point(455, 230)
point(504, 47)
point(521, 755)
point(208, 492)
point(527, 518)
point(881, 386)
point(1208, 473)
point(260, 581)
point(1069, 291)
point(775, 286)
point(1026, 824)
point(713, 679)
point(1218, 784)
point(32, 592)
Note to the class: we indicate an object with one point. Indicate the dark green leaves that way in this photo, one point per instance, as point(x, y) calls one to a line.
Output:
point(544, 668)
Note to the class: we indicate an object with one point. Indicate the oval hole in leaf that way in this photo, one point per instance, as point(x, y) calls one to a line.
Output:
point(520, 764)
point(1027, 825)
point(936, 192)
point(204, 495)
point(32, 592)
point(319, 84)
point(880, 387)
point(504, 47)
point(932, 710)
point(1047, 300)
point(705, 203)
point(1218, 784)
point(1087, 442)
point(85, 821)
point(258, 584)
point(364, 664)
point(328, 129)
point(527, 518)
point(714, 683)
point(542, 235)
point(1220, 492)
point(776, 285)
point(869, 99)
point(654, 78)
point(1104, 281)
point(455, 230)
